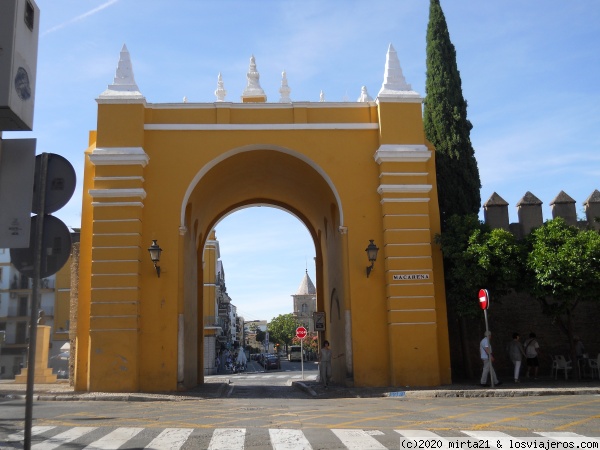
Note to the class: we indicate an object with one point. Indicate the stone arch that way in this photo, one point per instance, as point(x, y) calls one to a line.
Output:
point(247, 148)
point(257, 176)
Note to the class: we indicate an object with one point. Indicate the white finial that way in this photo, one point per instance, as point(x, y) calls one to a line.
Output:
point(394, 83)
point(124, 85)
point(184, 99)
point(284, 90)
point(346, 98)
point(220, 93)
point(321, 96)
point(364, 95)
point(253, 90)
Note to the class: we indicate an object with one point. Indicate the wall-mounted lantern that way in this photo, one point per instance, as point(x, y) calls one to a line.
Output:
point(155, 251)
point(371, 250)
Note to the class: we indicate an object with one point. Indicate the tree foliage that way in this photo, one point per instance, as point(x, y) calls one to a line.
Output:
point(459, 266)
point(446, 124)
point(476, 257)
point(260, 335)
point(564, 268)
point(282, 329)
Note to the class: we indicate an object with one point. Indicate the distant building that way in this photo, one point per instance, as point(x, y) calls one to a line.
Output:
point(221, 323)
point(15, 312)
point(305, 302)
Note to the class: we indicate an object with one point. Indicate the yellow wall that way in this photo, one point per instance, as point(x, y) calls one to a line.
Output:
point(350, 172)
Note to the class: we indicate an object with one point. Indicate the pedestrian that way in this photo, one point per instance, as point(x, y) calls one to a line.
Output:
point(579, 347)
point(324, 360)
point(516, 354)
point(532, 350)
point(485, 350)
point(580, 353)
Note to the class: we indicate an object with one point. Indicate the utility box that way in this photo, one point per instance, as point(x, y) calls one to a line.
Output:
point(19, 31)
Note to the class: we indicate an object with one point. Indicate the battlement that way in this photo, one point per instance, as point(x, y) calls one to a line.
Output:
point(529, 210)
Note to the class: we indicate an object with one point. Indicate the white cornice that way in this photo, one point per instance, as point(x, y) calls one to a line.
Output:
point(404, 200)
point(119, 156)
point(226, 105)
point(402, 153)
point(136, 204)
point(117, 193)
point(398, 98)
point(262, 126)
point(403, 188)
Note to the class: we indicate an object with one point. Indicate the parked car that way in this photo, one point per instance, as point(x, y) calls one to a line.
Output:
point(272, 362)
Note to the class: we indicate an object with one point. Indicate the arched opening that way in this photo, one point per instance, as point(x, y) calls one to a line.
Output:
point(257, 177)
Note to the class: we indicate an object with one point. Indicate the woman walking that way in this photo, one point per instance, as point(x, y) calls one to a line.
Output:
point(516, 353)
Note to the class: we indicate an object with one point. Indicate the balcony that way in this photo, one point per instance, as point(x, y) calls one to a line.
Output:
point(25, 284)
point(211, 323)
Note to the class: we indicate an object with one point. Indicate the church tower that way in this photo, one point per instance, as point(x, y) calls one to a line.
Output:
point(305, 302)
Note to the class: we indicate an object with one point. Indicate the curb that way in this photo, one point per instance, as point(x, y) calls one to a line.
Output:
point(474, 393)
point(304, 387)
point(308, 389)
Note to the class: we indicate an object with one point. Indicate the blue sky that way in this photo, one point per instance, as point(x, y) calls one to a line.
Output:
point(530, 73)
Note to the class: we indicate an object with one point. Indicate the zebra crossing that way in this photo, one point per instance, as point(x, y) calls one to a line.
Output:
point(103, 438)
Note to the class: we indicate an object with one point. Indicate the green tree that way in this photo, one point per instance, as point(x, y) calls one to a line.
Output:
point(476, 257)
point(564, 270)
point(498, 258)
point(260, 335)
point(446, 124)
point(282, 328)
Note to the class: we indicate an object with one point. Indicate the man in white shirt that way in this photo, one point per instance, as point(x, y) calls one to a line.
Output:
point(485, 349)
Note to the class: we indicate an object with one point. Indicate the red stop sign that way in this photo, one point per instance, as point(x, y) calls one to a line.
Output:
point(484, 299)
point(300, 332)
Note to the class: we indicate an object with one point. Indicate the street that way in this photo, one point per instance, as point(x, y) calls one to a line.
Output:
point(255, 382)
point(262, 411)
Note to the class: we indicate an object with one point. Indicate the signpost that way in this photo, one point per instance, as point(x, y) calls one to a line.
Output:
point(301, 334)
point(484, 304)
point(49, 249)
point(319, 321)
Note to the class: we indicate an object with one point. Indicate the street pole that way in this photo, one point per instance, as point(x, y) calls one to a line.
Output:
point(302, 356)
point(37, 262)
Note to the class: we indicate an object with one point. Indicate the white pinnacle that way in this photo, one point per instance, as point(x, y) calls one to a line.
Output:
point(284, 90)
point(220, 93)
point(364, 95)
point(394, 83)
point(124, 85)
point(253, 89)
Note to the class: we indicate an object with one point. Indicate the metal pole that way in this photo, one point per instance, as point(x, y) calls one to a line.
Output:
point(487, 329)
point(35, 301)
point(302, 356)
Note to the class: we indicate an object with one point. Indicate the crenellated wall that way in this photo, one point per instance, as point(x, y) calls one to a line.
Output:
point(529, 210)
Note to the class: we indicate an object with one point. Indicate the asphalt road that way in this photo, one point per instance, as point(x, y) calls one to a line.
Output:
point(262, 410)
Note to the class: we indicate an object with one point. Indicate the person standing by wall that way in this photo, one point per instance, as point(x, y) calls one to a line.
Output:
point(485, 350)
point(532, 350)
point(325, 364)
point(516, 354)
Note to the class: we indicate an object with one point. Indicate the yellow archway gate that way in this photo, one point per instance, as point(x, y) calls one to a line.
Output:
point(350, 172)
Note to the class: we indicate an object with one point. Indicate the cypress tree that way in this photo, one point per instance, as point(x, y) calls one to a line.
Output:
point(446, 124)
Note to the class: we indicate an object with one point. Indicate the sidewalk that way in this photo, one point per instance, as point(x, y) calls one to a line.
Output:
point(542, 386)
point(61, 391)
